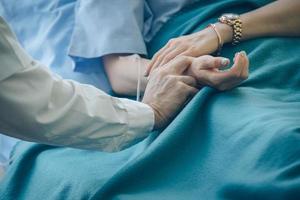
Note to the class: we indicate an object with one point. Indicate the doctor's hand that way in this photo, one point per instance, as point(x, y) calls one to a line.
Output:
point(168, 90)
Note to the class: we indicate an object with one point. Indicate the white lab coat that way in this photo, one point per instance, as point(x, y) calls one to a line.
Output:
point(37, 105)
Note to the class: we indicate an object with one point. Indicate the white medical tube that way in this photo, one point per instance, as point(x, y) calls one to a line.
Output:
point(138, 87)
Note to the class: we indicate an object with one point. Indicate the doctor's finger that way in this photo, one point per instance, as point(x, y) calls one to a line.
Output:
point(187, 80)
point(187, 91)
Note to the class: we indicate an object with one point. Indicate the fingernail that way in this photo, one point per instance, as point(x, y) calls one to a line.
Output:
point(224, 61)
point(243, 53)
point(234, 57)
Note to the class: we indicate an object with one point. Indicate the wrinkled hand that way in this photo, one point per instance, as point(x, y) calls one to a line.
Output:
point(168, 90)
point(197, 44)
point(206, 70)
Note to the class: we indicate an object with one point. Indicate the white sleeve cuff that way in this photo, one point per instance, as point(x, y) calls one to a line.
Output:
point(140, 116)
point(140, 123)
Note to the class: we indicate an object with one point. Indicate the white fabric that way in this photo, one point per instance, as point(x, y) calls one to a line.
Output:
point(39, 106)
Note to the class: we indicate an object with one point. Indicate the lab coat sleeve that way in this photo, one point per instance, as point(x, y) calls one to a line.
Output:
point(39, 106)
point(105, 27)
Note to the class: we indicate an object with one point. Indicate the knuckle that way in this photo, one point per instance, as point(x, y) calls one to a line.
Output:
point(155, 56)
point(217, 62)
point(172, 42)
point(206, 57)
point(204, 64)
point(205, 60)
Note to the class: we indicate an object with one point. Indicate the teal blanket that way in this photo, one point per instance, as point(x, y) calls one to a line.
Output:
point(239, 144)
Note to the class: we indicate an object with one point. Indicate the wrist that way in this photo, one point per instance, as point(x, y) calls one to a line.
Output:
point(226, 32)
point(158, 119)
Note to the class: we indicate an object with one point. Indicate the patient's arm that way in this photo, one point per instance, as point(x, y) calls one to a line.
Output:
point(122, 71)
point(280, 18)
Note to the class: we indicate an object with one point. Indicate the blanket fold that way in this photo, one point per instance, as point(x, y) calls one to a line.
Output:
point(238, 144)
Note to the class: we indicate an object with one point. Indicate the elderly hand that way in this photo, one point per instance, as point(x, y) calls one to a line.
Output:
point(197, 44)
point(168, 90)
point(172, 85)
point(206, 70)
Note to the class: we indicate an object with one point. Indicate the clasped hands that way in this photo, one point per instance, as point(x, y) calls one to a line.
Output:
point(178, 77)
point(205, 69)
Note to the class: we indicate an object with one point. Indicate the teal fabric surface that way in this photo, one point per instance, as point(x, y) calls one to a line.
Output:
point(239, 144)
